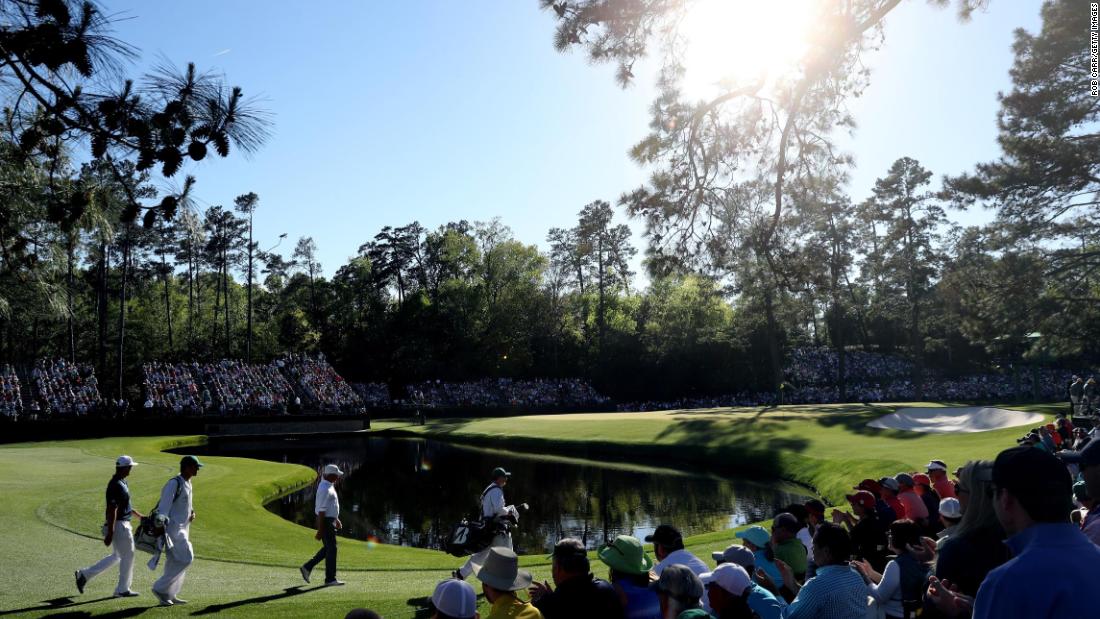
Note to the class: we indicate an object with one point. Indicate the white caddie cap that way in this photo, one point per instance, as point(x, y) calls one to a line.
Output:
point(124, 461)
point(332, 469)
point(455, 598)
point(936, 465)
point(730, 576)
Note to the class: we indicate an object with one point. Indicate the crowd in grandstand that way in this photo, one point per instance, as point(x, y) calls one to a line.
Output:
point(11, 396)
point(172, 387)
point(322, 387)
point(374, 395)
point(562, 393)
point(235, 388)
point(65, 388)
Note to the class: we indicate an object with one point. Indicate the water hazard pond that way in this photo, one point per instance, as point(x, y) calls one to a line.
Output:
point(411, 491)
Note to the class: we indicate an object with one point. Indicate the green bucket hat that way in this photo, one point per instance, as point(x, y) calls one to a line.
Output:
point(626, 555)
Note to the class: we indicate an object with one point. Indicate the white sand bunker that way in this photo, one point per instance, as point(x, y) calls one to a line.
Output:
point(959, 419)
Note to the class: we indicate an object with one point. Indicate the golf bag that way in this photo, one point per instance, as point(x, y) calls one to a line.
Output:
point(469, 537)
point(149, 530)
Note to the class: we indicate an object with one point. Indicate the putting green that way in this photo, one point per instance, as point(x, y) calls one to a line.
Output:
point(51, 503)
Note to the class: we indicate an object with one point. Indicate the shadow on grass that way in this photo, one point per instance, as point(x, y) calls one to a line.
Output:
point(81, 614)
point(288, 592)
point(56, 603)
point(855, 417)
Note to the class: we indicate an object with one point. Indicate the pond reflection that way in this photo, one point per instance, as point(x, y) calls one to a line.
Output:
point(411, 491)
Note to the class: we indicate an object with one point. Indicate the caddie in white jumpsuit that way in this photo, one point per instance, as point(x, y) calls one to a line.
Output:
point(175, 504)
point(117, 533)
point(492, 508)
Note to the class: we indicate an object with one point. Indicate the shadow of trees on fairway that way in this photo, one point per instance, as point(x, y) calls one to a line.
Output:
point(288, 592)
point(61, 602)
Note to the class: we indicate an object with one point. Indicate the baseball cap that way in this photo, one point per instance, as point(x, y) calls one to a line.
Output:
point(890, 483)
point(500, 472)
point(904, 479)
point(787, 521)
point(950, 508)
point(936, 465)
point(124, 461)
point(678, 581)
point(756, 534)
point(736, 554)
point(815, 507)
point(1030, 472)
point(665, 535)
point(190, 460)
point(731, 577)
point(1089, 456)
point(1080, 491)
point(921, 479)
point(455, 598)
point(862, 498)
point(332, 469)
point(869, 485)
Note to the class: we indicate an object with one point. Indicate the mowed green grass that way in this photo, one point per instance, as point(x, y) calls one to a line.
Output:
point(51, 497)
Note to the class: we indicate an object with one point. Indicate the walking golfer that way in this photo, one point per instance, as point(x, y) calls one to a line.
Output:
point(175, 510)
point(327, 506)
point(116, 533)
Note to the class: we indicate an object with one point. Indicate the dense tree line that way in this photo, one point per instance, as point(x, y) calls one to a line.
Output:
point(753, 244)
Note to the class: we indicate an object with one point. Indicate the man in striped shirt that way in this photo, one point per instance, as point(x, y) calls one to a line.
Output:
point(837, 592)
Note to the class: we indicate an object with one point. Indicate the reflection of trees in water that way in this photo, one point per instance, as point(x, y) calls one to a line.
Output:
point(411, 492)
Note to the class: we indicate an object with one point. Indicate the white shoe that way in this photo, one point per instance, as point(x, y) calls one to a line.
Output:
point(164, 599)
point(178, 601)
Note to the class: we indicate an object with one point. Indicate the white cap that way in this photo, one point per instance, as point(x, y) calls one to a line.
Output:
point(455, 598)
point(124, 461)
point(936, 465)
point(950, 508)
point(730, 576)
point(332, 469)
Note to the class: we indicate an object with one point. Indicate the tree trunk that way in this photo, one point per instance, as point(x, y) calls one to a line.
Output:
point(190, 300)
point(167, 300)
point(248, 343)
point(225, 286)
point(773, 344)
point(101, 306)
point(69, 302)
point(122, 307)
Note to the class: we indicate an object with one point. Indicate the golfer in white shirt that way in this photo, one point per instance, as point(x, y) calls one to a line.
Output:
point(175, 506)
point(327, 507)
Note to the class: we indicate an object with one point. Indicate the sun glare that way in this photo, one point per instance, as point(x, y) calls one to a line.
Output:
point(738, 41)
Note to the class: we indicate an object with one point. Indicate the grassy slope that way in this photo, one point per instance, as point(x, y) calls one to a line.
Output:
point(52, 495)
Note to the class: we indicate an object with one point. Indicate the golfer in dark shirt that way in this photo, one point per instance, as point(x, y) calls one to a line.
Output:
point(117, 533)
point(579, 595)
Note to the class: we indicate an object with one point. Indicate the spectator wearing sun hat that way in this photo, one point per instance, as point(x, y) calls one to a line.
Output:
point(629, 566)
point(454, 599)
point(758, 540)
point(501, 578)
point(761, 601)
point(937, 472)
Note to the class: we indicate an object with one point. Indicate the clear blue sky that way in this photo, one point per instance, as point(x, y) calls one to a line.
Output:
point(437, 110)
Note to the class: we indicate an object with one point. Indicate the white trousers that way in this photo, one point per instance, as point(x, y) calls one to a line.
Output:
point(500, 539)
point(176, 561)
point(122, 543)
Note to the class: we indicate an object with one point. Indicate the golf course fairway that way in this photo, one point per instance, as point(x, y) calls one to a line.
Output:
point(51, 503)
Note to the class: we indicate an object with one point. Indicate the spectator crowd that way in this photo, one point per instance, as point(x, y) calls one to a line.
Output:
point(1018, 536)
point(11, 396)
point(322, 387)
point(64, 388)
point(556, 393)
